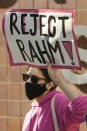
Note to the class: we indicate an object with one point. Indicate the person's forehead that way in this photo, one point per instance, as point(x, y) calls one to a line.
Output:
point(29, 70)
point(34, 71)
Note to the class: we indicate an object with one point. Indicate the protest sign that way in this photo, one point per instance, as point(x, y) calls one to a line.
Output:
point(36, 36)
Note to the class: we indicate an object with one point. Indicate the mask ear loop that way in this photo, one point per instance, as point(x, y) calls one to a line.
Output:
point(53, 87)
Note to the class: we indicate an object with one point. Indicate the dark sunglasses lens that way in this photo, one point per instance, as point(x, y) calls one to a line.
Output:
point(25, 77)
point(34, 79)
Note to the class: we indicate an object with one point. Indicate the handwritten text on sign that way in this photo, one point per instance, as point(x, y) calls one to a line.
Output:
point(36, 36)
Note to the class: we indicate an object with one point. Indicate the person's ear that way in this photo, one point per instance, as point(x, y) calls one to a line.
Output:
point(49, 85)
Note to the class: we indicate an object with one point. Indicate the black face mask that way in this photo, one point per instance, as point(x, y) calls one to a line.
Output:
point(34, 90)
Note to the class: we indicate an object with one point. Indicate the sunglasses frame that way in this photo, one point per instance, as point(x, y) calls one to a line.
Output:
point(34, 78)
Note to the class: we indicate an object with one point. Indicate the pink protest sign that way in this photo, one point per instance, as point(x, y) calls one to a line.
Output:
point(36, 36)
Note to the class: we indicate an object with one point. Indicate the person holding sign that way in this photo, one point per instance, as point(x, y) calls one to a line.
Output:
point(33, 37)
point(70, 106)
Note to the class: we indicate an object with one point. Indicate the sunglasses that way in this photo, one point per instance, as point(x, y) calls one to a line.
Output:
point(34, 79)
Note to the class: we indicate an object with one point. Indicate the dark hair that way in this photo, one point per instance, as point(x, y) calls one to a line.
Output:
point(46, 75)
point(48, 79)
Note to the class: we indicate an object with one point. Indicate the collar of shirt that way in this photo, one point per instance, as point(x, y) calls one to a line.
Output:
point(46, 98)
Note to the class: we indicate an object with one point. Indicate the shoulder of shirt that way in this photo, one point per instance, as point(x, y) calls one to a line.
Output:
point(28, 114)
point(60, 94)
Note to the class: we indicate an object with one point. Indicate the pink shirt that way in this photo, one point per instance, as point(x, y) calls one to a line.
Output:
point(69, 114)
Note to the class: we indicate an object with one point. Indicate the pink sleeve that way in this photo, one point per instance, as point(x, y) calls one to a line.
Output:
point(70, 113)
point(26, 122)
point(78, 108)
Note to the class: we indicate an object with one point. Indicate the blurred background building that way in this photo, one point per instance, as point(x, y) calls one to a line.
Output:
point(13, 102)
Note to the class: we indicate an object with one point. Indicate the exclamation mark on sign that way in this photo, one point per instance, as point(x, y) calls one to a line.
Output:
point(68, 47)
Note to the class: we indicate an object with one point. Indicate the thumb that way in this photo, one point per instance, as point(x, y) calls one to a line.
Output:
point(49, 65)
point(50, 70)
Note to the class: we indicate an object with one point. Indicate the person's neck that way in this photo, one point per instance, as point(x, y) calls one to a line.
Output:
point(40, 97)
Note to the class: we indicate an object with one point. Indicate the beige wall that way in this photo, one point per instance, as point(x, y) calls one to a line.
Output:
point(13, 103)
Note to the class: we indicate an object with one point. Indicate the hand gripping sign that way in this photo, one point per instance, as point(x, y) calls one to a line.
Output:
point(36, 36)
